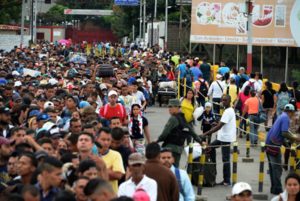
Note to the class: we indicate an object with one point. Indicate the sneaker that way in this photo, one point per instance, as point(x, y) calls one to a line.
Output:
point(223, 184)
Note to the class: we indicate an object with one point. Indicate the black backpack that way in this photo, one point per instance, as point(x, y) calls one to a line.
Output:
point(203, 88)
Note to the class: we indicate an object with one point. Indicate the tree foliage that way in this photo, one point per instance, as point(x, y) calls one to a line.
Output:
point(55, 15)
point(10, 11)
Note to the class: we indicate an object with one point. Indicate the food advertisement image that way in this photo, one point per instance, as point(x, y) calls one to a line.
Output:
point(274, 22)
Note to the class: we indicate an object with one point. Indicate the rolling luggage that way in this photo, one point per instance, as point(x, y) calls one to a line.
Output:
point(164, 94)
point(209, 172)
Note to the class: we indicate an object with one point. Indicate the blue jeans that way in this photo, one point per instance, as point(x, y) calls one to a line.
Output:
point(225, 158)
point(253, 129)
point(275, 168)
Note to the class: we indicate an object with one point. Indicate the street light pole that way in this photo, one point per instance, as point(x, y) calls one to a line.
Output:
point(141, 16)
point(144, 23)
point(166, 25)
point(249, 7)
point(22, 24)
point(155, 9)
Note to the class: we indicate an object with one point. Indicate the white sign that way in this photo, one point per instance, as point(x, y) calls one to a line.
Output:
point(88, 12)
point(56, 33)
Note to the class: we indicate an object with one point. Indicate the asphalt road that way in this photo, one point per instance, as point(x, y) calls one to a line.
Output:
point(247, 172)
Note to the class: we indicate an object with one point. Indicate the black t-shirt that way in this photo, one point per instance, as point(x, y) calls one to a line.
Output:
point(136, 133)
point(268, 98)
point(295, 94)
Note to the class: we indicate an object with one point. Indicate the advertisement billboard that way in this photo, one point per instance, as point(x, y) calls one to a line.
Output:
point(274, 22)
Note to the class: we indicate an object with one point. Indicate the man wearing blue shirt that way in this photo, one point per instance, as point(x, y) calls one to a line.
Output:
point(196, 72)
point(276, 137)
point(49, 178)
point(223, 69)
point(184, 183)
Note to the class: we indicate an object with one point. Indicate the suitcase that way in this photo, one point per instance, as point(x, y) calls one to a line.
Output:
point(106, 70)
point(209, 172)
point(164, 94)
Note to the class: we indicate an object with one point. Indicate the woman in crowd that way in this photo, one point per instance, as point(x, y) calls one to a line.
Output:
point(188, 106)
point(268, 96)
point(292, 189)
point(239, 106)
point(138, 128)
point(281, 99)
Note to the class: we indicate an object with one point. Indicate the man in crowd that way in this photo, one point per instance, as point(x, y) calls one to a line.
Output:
point(99, 190)
point(78, 188)
point(49, 178)
point(5, 151)
point(277, 137)
point(113, 109)
point(112, 159)
point(138, 180)
point(241, 191)
point(176, 131)
point(226, 135)
point(185, 186)
point(168, 189)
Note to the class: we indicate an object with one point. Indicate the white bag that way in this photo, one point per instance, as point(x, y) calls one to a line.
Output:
point(197, 150)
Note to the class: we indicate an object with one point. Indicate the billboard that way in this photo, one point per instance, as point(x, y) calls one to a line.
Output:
point(274, 22)
point(127, 2)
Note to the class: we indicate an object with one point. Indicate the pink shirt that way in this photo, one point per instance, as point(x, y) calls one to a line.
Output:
point(243, 98)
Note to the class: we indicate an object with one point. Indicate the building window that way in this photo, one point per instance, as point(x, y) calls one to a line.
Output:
point(47, 1)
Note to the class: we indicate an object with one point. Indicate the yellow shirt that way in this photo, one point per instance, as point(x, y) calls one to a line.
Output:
point(232, 92)
point(187, 109)
point(113, 161)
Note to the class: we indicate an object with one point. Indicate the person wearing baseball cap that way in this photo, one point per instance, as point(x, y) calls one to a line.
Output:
point(113, 109)
point(276, 137)
point(241, 191)
point(136, 165)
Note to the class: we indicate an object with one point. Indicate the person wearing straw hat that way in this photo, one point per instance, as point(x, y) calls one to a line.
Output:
point(276, 137)
point(176, 131)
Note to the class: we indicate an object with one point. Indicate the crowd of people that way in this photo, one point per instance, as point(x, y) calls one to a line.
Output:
point(79, 131)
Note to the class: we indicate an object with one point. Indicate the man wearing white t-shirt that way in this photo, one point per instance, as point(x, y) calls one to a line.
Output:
point(226, 134)
point(138, 180)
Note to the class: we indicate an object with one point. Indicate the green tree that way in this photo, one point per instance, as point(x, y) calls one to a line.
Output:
point(10, 11)
point(55, 15)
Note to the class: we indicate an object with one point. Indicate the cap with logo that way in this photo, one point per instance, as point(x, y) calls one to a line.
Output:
point(289, 107)
point(4, 110)
point(136, 158)
point(241, 187)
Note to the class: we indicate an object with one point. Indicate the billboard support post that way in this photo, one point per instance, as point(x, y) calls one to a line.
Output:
point(249, 6)
point(286, 64)
point(261, 59)
point(237, 57)
point(214, 54)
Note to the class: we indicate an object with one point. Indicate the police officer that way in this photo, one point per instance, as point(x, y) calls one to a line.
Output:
point(176, 131)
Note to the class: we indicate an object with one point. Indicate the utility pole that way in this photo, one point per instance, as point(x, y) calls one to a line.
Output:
point(144, 23)
point(35, 20)
point(166, 25)
point(155, 9)
point(141, 18)
point(22, 24)
point(31, 20)
point(249, 7)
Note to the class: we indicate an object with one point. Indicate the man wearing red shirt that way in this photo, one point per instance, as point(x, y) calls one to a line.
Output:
point(113, 109)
